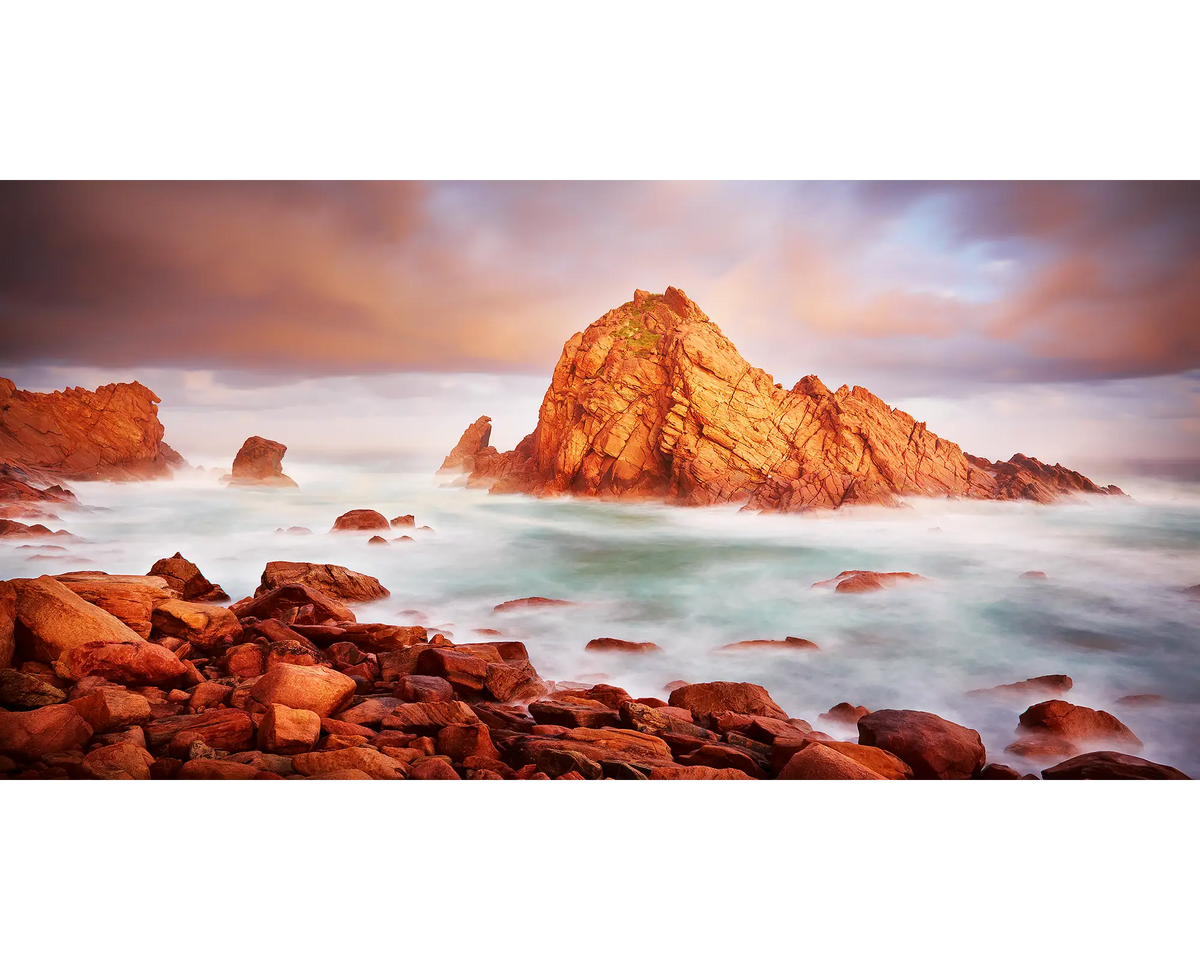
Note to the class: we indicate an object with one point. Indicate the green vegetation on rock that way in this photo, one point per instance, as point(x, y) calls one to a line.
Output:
point(641, 341)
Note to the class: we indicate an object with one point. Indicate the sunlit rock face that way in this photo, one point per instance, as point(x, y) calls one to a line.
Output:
point(653, 401)
point(474, 439)
point(111, 433)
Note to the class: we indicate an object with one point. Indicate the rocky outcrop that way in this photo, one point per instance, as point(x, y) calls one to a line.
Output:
point(341, 583)
point(21, 497)
point(111, 433)
point(653, 401)
point(259, 463)
point(1024, 478)
point(232, 694)
point(474, 439)
point(52, 619)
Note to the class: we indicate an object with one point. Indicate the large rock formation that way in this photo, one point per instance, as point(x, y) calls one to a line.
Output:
point(111, 433)
point(259, 463)
point(653, 401)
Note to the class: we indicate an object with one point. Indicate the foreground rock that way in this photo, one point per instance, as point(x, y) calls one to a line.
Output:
point(936, 749)
point(8, 623)
point(652, 401)
point(318, 689)
point(131, 662)
point(186, 581)
point(705, 700)
point(286, 690)
point(340, 583)
point(259, 463)
point(294, 603)
point(111, 433)
point(815, 761)
point(52, 620)
point(1076, 724)
point(1106, 765)
point(131, 599)
point(32, 734)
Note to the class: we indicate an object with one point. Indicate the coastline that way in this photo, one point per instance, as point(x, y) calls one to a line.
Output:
point(557, 651)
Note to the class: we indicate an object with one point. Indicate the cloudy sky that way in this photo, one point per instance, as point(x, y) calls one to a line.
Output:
point(1061, 319)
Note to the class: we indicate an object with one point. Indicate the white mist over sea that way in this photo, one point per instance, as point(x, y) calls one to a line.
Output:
point(1110, 612)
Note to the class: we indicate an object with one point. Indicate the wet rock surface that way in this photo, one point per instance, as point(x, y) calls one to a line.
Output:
point(287, 684)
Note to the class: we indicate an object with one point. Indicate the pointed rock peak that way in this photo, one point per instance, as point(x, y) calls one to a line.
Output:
point(641, 297)
point(811, 386)
point(474, 439)
point(678, 301)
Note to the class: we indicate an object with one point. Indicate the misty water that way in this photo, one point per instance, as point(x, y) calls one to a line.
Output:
point(1111, 612)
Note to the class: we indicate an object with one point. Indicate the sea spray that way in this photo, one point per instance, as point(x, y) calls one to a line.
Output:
point(1109, 613)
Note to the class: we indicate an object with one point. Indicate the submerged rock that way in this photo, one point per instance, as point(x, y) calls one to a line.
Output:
point(530, 602)
point(1035, 687)
point(611, 645)
point(788, 643)
point(866, 581)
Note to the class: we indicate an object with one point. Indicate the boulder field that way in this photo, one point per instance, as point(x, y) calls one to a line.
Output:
point(652, 401)
point(116, 677)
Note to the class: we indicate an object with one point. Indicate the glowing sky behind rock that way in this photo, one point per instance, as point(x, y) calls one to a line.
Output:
point(1072, 306)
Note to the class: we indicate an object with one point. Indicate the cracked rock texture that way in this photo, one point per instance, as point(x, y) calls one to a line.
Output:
point(653, 401)
point(112, 433)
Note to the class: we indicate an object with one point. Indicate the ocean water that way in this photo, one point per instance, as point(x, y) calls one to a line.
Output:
point(1110, 612)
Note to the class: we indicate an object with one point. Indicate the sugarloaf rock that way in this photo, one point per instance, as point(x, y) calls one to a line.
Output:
point(653, 401)
point(259, 463)
point(110, 433)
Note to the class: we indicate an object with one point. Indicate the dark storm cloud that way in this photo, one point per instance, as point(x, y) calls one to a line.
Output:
point(948, 283)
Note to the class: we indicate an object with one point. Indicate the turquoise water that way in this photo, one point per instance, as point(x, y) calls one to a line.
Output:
point(1110, 613)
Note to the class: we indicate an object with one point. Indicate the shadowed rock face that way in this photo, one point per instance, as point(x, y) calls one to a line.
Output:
point(652, 401)
point(112, 433)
